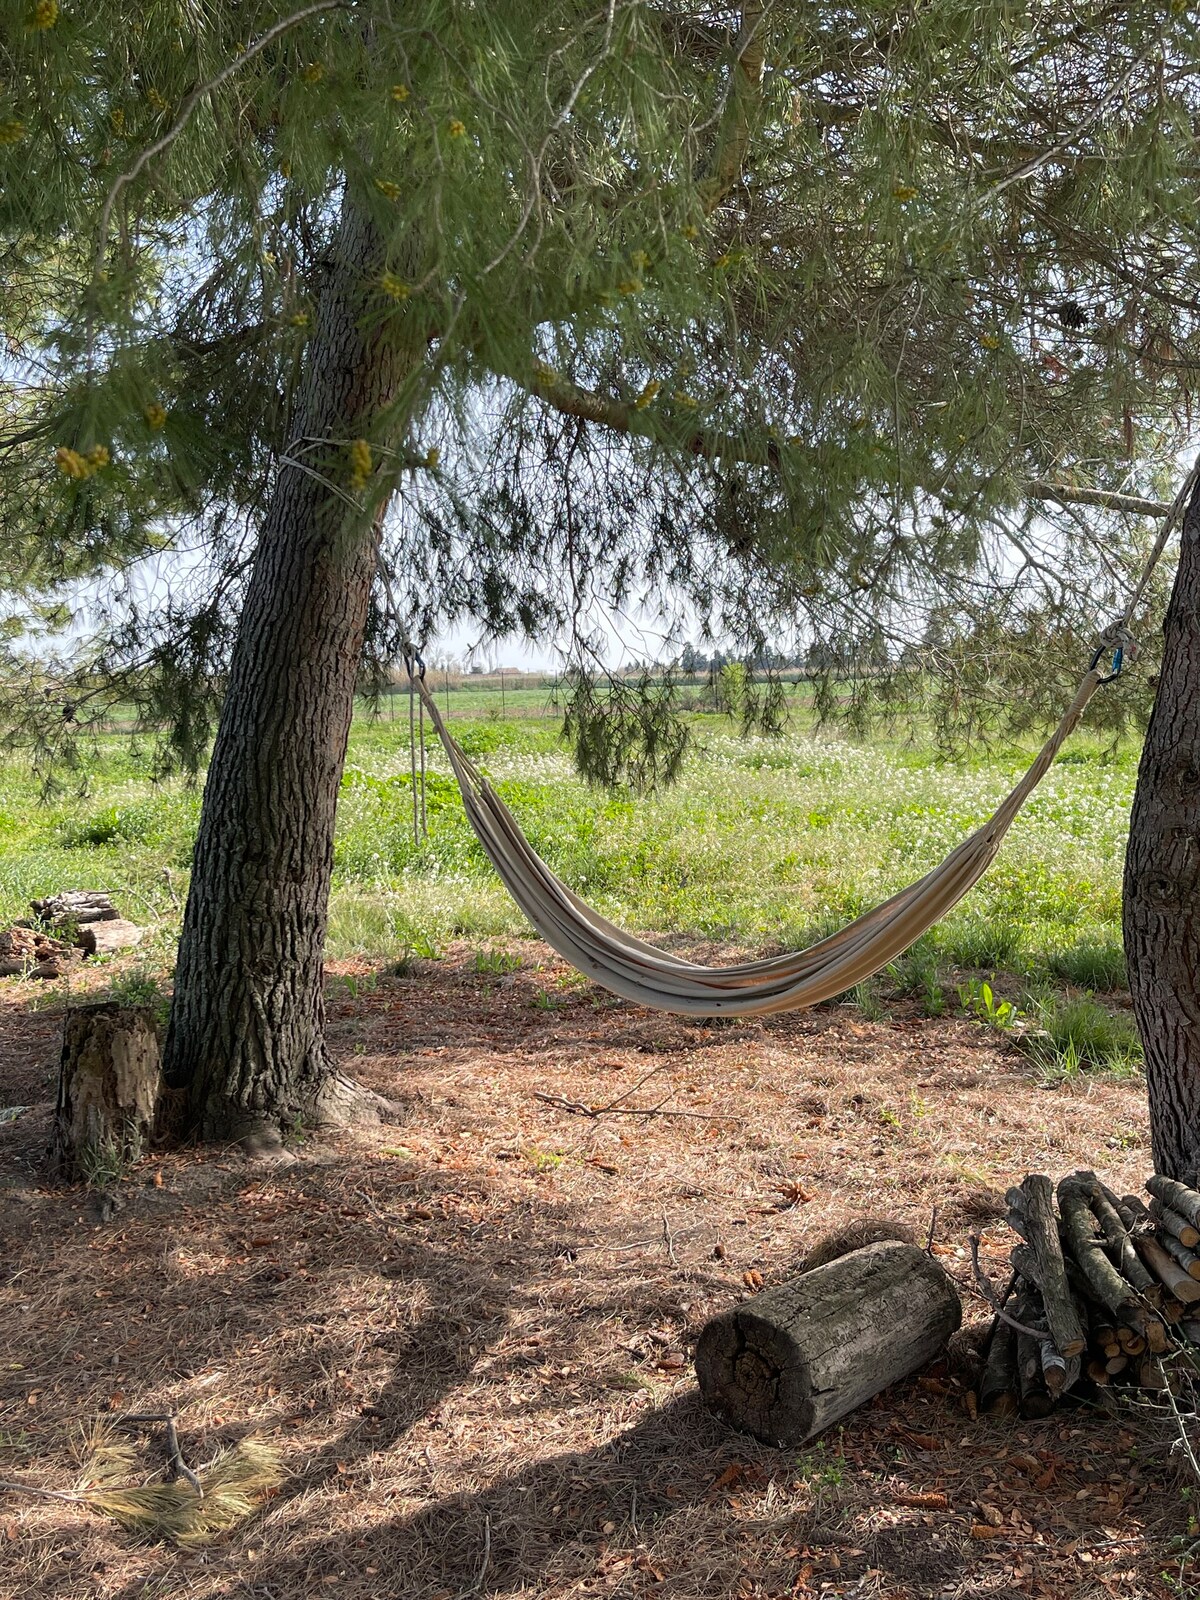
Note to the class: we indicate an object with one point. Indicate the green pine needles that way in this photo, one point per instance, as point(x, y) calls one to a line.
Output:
point(766, 316)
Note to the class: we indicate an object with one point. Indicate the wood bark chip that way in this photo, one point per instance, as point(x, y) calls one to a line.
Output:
point(794, 1360)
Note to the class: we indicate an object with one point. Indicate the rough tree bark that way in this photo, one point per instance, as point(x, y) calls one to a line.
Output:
point(1162, 879)
point(245, 1052)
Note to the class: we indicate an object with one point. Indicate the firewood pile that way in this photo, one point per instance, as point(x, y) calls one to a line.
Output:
point(64, 928)
point(1105, 1290)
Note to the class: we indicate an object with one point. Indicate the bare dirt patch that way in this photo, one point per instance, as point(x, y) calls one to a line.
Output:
point(470, 1333)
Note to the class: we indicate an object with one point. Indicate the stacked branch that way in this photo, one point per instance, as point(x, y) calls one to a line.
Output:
point(1102, 1288)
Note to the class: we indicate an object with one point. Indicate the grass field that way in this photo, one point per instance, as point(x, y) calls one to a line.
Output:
point(764, 844)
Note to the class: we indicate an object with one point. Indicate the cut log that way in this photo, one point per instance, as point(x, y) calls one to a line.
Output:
point(1133, 1343)
point(1036, 1399)
point(1080, 1225)
point(1169, 1273)
point(1171, 1222)
point(1116, 1235)
point(1058, 1373)
point(1137, 1217)
point(998, 1386)
point(792, 1361)
point(1061, 1315)
point(104, 938)
point(1179, 1253)
point(77, 906)
point(108, 1087)
point(1176, 1195)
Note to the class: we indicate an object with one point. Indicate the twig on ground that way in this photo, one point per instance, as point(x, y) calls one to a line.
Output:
point(669, 1241)
point(577, 1107)
point(933, 1216)
point(475, 1587)
point(176, 1465)
point(9, 1486)
point(988, 1290)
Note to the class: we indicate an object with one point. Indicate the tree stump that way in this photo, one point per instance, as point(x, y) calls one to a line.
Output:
point(109, 1081)
point(792, 1361)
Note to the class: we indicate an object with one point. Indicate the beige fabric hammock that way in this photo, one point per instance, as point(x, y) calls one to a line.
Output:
point(653, 977)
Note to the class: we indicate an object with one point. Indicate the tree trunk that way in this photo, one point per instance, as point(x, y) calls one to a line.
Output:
point(245, 1052)
point(1162, 879)
point(793, 1361)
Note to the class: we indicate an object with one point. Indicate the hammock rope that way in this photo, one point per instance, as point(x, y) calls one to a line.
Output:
point(644, 973)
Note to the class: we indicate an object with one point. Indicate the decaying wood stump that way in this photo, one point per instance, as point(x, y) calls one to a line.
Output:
point(108, 1087)
point(792, 1361)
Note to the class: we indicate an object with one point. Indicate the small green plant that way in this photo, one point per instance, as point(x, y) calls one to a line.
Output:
point(933, 1000)
point(140, 986)
point(866, 997)
point(1093, 963)
point(543, 1000)
point(978, 1000)
point(889, 1117)
point(822, 1468)
point(992, 942)
point(104, 1164)
point(543, 1160)
point(496, 963)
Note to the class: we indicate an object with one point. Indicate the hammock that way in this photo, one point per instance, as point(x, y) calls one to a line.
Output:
point(652, 977)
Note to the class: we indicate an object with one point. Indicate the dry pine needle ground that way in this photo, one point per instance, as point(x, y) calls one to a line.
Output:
point(469, 1334)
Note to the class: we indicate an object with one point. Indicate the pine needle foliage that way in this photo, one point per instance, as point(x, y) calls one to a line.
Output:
point(767, 315)
point(234, 1484)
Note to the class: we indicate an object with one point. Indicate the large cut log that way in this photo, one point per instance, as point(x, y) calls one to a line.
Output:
point(1063, 1319)
point(109, 1082)
point(794, 1360)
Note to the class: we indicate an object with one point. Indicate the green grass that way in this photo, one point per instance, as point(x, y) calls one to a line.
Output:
point(764, 843)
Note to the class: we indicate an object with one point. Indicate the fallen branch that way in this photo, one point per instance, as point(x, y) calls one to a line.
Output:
point(10, 1486)
point(988, 1290)
point(577, 1108)
point(177, 1467)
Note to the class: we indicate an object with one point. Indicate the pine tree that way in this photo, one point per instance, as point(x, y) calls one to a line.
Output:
point(379, 321)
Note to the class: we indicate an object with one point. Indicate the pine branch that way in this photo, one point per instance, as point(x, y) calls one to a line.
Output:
point(622, 416)
point(190, 104)
point(746, 98)
point(1068, 495)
